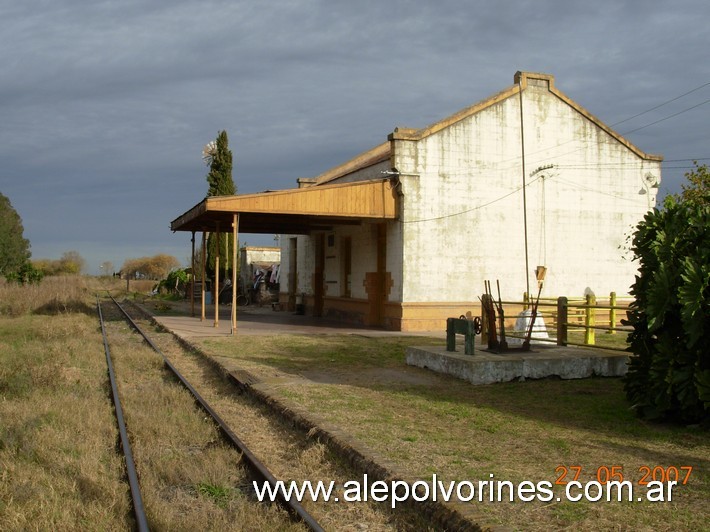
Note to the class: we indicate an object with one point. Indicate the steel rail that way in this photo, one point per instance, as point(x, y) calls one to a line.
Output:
point(138, 508)
point(293, 507)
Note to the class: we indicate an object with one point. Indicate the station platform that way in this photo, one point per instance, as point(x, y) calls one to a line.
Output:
point(542, 361)
point(483, 367)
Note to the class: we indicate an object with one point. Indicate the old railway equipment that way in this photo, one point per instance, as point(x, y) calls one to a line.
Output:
point(462, 325)
point(294, 508)
point(493, 312)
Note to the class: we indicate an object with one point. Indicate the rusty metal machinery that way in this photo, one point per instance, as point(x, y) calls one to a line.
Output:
point(493, 314)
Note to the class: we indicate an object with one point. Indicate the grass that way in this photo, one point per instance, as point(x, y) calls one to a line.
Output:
point(60, 468)
point(63, 294)
point(57, 435)
point(188, 476)
point(602, 339)
point(516, 431)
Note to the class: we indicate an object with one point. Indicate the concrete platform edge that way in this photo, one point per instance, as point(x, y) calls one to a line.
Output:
point(489, 368)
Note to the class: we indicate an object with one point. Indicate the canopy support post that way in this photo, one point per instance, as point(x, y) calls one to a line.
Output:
point(192, 276)
point(204, 274)
point(215, 290)
point(235, 235)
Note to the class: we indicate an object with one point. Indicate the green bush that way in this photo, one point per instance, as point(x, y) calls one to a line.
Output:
point(26, 274)
point(669, 370)
point(175, 283)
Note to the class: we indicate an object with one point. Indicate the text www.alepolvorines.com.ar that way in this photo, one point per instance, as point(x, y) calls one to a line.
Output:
point(397, 491)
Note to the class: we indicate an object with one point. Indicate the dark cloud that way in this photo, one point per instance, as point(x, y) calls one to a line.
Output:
point(105, 105)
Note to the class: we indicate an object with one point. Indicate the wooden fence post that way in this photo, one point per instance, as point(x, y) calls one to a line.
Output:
point(612, 313)
point(561, 321)
point(589, 320)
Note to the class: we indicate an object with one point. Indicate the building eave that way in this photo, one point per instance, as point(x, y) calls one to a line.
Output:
point(294, 211)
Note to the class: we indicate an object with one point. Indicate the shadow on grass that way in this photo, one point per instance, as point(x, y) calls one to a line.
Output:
point(595, 404)
point(71, 306)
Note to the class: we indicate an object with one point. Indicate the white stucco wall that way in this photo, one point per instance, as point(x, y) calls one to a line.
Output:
point(304, 263)
point(463, 203)
point(260, 254)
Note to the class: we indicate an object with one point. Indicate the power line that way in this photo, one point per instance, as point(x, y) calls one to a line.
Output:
point(625, 120)
point(477, 207)
point(595, 165)
point(661, 104)
point(684, 160)
point(666, 118)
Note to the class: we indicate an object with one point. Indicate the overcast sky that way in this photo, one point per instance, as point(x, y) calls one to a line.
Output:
point(105, 105)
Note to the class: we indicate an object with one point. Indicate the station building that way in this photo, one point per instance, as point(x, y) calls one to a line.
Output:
point(404, 235)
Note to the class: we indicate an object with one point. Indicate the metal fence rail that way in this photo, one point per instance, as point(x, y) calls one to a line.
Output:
point(583, 313)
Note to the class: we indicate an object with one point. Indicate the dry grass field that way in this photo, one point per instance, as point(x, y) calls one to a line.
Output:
point(57, 431)
point(517, 431)
point(60, 470)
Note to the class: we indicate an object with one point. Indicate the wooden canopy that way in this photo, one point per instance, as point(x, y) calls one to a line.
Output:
point(294, 211)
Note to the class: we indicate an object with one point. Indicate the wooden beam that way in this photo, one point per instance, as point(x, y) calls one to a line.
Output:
point(204, 268)
point(192, 277)
point(280, 211)
point(235, 234)
point(215, 289)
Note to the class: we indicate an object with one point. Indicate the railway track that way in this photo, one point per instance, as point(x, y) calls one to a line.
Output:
point(285, 450)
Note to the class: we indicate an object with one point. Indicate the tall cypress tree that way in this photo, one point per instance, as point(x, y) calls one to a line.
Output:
point(220, 183)
point(220, 174)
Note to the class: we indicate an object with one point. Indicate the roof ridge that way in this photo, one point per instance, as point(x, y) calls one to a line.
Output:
point(379, 153)
point(521, 81)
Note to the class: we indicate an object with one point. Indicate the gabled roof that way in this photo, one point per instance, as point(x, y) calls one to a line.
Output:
point(369, 158)
point(521, 81)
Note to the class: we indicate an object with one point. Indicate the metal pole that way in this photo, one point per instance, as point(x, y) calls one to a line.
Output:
point(525, 203)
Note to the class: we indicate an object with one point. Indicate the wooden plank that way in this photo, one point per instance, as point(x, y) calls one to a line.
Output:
point(317, 205)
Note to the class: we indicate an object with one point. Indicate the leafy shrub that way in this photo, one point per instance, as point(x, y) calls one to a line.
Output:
point(175, 283)
point(27, 273)
point(669, 371)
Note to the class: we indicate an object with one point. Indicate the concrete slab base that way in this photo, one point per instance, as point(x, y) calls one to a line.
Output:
point(484, 367)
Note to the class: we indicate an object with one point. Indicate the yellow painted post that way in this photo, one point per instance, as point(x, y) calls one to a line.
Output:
point(235, 233)
point(204, 276)
point(215, 291)
point(192, 277)
point(526, 301)
point(612, 313)
point(589, 320)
